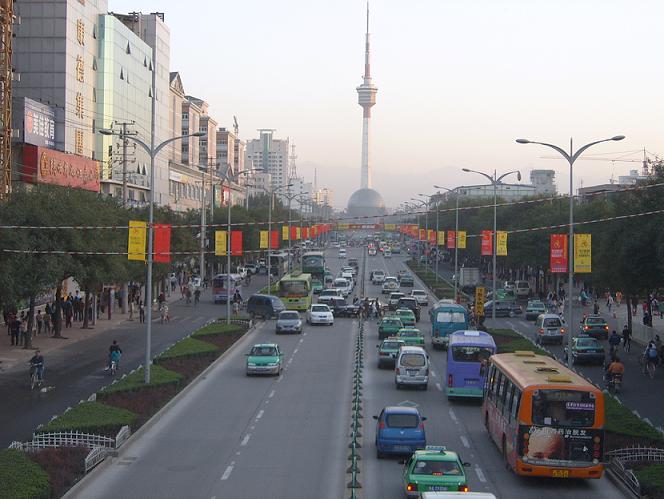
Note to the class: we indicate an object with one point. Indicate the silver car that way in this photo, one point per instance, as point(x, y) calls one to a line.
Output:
point(289, 321)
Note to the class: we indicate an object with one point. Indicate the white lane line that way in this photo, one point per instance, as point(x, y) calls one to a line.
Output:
point(440, 388)
point(271, 394)
point(290, 361)
point(480, 474)
point(303, 334)
point(246, 438)
point(281, 376)
point(453, 416)
point(465, 442)
point(295, 351)
point(228, 471)
point(433, 373)
point(252, 427)
point(260, 414)
point(301, 340)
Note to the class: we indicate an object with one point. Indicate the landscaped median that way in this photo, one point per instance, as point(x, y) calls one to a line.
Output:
point(50, 472)
point(439, 287)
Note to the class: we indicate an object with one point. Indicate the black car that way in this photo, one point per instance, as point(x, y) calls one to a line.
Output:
point(340, 308)
point(410, 303)
point(503, 309)
point(353, 263)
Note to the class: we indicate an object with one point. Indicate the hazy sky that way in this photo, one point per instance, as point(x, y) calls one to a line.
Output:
point(458, 81)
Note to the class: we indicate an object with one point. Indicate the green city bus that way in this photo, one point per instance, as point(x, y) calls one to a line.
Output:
point(295, 291)
point(313, 262)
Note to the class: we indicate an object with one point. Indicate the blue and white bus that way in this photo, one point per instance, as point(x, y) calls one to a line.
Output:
point(468, 355)
point(446, 317)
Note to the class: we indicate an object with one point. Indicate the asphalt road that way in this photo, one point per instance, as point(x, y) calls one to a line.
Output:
point(76, 371)
point(232, 436)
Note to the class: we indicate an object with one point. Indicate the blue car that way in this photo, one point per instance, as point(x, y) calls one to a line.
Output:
point(399, 430)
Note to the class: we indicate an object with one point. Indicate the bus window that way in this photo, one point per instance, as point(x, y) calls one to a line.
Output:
point(456, 317)
point(470, 353)
point(508, 401)
point(294, 287)
point(516, 402)
point(501, 390)
point(563, 408)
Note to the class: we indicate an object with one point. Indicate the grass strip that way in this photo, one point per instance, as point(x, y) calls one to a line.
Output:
point(159, 376)
point(22, 478)
point(509, 341)
point(621, 420)
point(91, 417)
point(651, 479)
point(188, 347)
point(218, 328)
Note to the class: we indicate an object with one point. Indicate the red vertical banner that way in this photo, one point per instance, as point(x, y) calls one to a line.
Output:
point(487, 243)
point(432, 236)
point(293, 233)
point(451, 239)
point(305, 232)
point(558, 256)
point(423, 235)
point(162, 243)
point(274, 239)
point(314, 231)
point(236, 243)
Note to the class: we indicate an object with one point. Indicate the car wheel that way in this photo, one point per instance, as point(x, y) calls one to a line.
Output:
point(425, 387)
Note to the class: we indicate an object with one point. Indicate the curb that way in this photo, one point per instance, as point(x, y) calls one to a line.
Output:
point(73, 492)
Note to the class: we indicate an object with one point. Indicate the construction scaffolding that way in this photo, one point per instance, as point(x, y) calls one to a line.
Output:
point(6, 24)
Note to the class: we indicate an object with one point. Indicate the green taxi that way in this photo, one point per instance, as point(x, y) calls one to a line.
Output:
point(434, 469)
point(265, 358)
point(389, 326)
point(412, 336)
point(534, 309)
point(316, 286)
point(406, 316)
point(388, 351)
point(407, 280)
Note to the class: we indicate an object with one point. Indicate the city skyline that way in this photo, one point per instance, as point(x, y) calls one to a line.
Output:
point(459, 82)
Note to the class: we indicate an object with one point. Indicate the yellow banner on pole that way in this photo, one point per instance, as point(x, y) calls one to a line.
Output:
point(136, 240)
point(501, 243)
point(284, 232)
point(461, 239)
point(263, 239)
point(390, 227)
point(441, 238)
point(220, 243)
point(343, 226)
point(298, 233)
point(582, 253)
point(480, 296)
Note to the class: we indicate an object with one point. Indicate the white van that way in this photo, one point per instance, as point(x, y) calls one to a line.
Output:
point(342, 253)
point(412, 367)
point(550, 328)
point(522, 289)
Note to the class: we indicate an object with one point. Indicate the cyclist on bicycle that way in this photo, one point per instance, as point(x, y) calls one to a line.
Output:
point(37, 362)
point(614, 369)
point(650, 356)
point(614, 342)
point(114, 354)
point(197, 296)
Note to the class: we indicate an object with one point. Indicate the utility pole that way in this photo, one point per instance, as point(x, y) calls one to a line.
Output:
point(125, 194)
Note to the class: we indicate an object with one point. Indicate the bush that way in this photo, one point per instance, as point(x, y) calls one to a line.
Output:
point(621, 420)
point(188, 347)
point(64, 466)
point(91, 417)
point(219, 328)
point(134, 381)
point(22, 478)
point(509, 341)
point(143, 403)
point(651, 478)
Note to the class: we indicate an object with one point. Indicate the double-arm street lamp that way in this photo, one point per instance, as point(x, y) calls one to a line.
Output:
point(152, 151)
point(495, 180)
point(456, 237)
point(571, 157)
point(425, 205)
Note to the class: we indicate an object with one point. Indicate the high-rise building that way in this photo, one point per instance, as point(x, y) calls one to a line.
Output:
point(366, 202)
point(207, 156)
point(270, 155)
point(544, 181)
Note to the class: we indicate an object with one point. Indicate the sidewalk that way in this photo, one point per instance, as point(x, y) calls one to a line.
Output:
point(13, 356)
point(617, 318)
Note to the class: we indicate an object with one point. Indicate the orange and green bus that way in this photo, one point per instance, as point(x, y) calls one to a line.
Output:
point(545, 419)
point(295, 291)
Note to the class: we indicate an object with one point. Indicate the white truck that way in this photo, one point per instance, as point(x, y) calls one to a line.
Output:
point(469, 277)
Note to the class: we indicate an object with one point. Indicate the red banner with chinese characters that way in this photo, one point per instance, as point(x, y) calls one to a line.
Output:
point(314, 231)
point(558, 259)
point(432, 236)
point(293, 233)
point(274, 239)
point(305, 232)
point(236, 243)
point(162, 243)
point(451, 239)
point(487, 243)
point(423, 235)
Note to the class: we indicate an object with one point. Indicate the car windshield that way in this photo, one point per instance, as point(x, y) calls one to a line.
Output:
point(412, 360)
point(419, 293)
point(587, 342)
point(456, 317)
point(340, 283)
point(391, 322)
point(289, 316)
point(294, 287)
point(320, 308)
point(391, 345)
point(563, 408)
point(402, 421)
point(396, 296)
point(595, 321)
point(263, 351)
point(436, 468)
point(553, 322)
point(471, 353)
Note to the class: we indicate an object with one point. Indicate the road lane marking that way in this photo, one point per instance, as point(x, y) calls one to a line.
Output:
point(453, 416)
point(281, 376)
point(228, 471)
point(295, 351)
point(301, 340)
point(440, 388)
point(271, 394)
point(246, 438)
point(290, 361)
point(260, 414)
point(252, 427)
point(433, 373)
point(480, 474)
point(465, 442)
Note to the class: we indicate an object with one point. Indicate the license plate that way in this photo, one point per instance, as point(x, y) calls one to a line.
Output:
point(412, 373)
point(401, 448)
point(560, 473)
point(435, 488)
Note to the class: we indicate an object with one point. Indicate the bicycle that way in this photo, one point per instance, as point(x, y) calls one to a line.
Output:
point(34, 377)
point(114, 367)
point(649, 366)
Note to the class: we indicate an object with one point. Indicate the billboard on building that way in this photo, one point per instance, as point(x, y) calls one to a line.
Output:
point(46, 166)
point(38, 123)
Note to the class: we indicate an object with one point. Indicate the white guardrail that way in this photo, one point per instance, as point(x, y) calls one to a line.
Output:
point(619, 460)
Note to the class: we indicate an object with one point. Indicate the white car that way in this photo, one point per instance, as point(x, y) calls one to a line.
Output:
point(342, 253)
point(390, 285)
point(421, 296)
point(328, 294)
point(343, 285)
point(320, 314)
point(377, 277)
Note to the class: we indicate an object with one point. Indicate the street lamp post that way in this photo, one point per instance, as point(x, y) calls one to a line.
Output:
point(426, 227)
point(495, 180)
point(571, 157)
point(152, 151)
point(426, 223)
point(456, 237)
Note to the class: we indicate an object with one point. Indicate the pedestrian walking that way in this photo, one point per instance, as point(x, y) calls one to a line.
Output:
point(595, 308)
point(627, 339)
point(15, 330)
point(40, 322)
point(635, 304)
point(24, 330)
point(619, 297)
point(141, 311)
point(131, 310)
point(47, 323)
point(609, 302)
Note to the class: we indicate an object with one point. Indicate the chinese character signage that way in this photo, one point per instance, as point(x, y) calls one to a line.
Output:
point(480, 296)
point(136, 241)
point(501, 243)
point(487, 243)
point(558, 253)
point(582, 253)
point(38, 123)
point(46, 166)
point(236, 243)
point(162, 243)
point(441, 238)
point(451, 239)
point(462, 239)
point(263, 239)
point(220, 243)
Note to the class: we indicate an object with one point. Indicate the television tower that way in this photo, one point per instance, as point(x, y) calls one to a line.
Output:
point(366, 97)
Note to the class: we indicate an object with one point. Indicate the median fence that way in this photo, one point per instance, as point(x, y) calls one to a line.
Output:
point(620, 461)
point(356, 416)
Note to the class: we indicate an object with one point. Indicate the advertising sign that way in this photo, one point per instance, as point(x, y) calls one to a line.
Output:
point(441, 238)
point(236, 243)
point(274, 239)
point(162, 243)
point(582, 253)
point(558, 253)
point(480, 297)
point(136, 240)
point(487, 243)
point(220, 243)
point(46, 166)
point(451, 239)
point(501, 243)
point(462, 239)
point(284, 233)
point(263, 239)
point(38, 123)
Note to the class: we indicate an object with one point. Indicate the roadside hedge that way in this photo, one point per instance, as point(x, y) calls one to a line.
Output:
point(218, 328)
point(651, 479)
point(91, 417)
point(188, 347)
point(509, 341)
point(620, 420)
point(22, 478)
point(159, 376)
